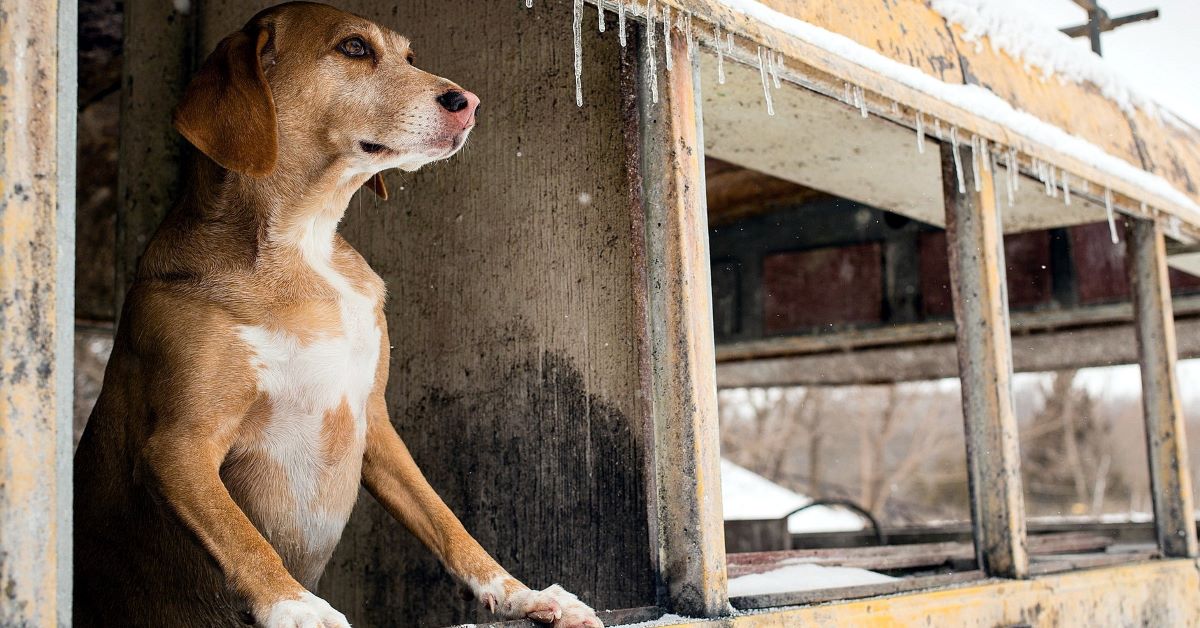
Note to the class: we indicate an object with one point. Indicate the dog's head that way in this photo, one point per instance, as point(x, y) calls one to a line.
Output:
point(308, 85)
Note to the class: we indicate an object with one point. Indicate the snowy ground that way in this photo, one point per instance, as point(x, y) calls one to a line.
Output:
point(747, 495)
point(801, 577)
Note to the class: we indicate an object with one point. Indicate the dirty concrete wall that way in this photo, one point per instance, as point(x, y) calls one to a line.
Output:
point(36, 309)
point(515, 378)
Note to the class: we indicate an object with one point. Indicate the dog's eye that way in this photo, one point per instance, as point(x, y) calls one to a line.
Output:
point(410, 58)
point(354, 47)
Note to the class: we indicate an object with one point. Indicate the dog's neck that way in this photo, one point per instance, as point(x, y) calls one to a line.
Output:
point(269, 223)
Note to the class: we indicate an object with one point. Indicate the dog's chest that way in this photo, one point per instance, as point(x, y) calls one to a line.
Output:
point(314, 375)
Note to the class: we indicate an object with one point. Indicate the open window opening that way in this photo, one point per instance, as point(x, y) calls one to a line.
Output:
point(840, 402)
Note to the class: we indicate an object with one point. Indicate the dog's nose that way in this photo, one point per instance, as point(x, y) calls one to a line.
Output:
point(460, 103)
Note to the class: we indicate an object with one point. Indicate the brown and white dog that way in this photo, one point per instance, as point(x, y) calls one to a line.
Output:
point(244, 401)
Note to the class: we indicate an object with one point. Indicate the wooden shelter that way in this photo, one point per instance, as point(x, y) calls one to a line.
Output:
point(555, 361)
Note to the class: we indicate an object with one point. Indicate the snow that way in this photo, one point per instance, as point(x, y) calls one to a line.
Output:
point(747, 495)
point(803, 577)
point(665, 620)
point(973, 98)
point(1034, 44)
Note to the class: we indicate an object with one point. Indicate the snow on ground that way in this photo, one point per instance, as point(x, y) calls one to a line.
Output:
point(801, 577)
point(747, 495)
point(973, 98)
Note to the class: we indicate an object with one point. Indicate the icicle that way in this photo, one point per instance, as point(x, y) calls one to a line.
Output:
point(1053, 181)
point(621, 23)
point(600, 14)
point(776, 68)
point(528, 4)
point(1066, 182)
point(720, 54)
point(667, 37)
point(651, 57)
point(1112, 220)
point(920, 133)
point(976, 158)
point(1010, 174)
point(577, 32)
point(687, 32)
point(1016, 173)
point(937, 128)
point(729, 41)
point(766, 84)
point(862, 101)
point(849, 99)
point(958, 167)
point(987, 154)
point(895, 109)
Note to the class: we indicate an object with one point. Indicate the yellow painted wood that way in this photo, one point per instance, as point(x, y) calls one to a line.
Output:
point(904, 30)
point(1160, 593)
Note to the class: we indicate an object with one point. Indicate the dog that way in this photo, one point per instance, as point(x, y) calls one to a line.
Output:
point(243, 404)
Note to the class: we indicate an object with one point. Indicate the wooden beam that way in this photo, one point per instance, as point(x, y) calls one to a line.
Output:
point(976, 247)
point(37, 227)
point(1154, 325)
point(691, 540)
point(1111, 23)
point(1033, 353)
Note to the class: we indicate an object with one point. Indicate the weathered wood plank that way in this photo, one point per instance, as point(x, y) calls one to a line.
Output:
point(158, 59)
point(904, 585)
point(975, 242)
point(37, 226)
point(691, 543)
point(1040, 352)
point(1154, 327)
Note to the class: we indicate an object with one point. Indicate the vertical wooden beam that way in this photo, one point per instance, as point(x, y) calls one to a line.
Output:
point(1154, 326)
point(37, 120)
point(158, 58)
point(977, 281)
point(691, 536)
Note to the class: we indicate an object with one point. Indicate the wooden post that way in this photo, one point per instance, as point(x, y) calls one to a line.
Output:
point(977, 281)
point(1166, 445)
point(691, 537)
point(37, 227)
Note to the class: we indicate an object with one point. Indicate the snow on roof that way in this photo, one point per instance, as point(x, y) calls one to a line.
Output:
point(978, 100)
point(747, 495)
point(1037, 45)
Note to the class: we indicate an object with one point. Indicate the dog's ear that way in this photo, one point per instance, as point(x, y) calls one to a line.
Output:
point(377, 185)
point(227, 111)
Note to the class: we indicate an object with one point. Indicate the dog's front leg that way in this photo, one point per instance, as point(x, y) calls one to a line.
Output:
point(184, 467)
point(391, 475)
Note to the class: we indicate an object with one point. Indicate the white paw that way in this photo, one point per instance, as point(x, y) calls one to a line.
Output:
point(554, 605)
point(309, 611)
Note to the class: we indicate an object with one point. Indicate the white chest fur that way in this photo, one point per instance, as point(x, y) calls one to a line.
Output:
point(307, 380)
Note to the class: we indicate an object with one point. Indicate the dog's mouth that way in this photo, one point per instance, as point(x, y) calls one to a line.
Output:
point(372, 148)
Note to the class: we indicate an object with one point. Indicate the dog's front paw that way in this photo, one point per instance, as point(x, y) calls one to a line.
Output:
point(553, 606)
point(309, 611)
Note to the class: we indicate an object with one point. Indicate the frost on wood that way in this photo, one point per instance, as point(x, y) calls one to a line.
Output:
point(577, 33)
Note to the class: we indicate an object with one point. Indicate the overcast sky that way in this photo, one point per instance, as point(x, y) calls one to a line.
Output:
point(1161, 58)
